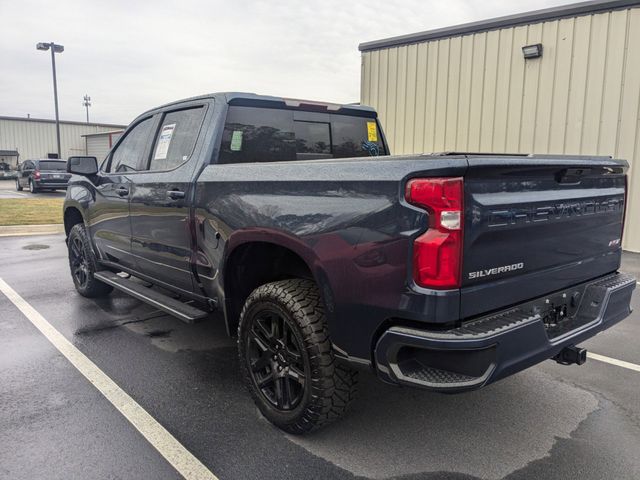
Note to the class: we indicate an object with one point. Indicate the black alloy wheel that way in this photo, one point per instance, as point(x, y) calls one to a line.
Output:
point(277, 365)
point(78, 262)
point(287, 357)
point(83, 264)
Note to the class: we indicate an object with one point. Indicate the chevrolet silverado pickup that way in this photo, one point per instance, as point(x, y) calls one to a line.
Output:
point(328, 256)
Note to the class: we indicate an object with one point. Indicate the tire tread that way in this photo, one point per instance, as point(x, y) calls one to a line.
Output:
point(333, 385)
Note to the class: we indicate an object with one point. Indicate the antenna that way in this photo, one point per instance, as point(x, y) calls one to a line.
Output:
point(87, 104)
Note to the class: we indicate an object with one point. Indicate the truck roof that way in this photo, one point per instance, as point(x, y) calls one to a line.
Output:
point(268, 101)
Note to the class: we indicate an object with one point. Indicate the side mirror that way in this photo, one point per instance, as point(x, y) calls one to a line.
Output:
point(82, 165)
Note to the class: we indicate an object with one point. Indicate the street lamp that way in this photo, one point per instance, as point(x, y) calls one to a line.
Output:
point(54, 49)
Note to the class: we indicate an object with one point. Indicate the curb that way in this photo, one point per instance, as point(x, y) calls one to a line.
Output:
point(23, 230)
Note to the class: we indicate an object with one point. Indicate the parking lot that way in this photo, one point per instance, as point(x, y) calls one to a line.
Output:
point(8, 190)
point(548, 422)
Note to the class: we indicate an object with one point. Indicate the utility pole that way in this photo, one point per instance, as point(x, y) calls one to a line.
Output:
point(87, 104)
point(54, 49)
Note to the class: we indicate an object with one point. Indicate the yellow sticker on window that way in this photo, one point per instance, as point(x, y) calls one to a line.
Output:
point(372, 132)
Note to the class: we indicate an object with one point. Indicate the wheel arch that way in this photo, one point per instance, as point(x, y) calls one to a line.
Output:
point(253, 260)
point(72, 216)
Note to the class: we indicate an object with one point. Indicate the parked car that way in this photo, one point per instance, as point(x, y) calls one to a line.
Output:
point(38, 175)
point(327, 255)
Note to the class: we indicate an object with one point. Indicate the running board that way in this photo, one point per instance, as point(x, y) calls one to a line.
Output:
point(174, 307)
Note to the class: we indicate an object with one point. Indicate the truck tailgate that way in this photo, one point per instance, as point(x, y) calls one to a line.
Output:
point(534, 225)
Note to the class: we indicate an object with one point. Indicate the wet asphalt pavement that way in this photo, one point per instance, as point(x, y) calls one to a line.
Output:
point(8, 190)
point(547, 422)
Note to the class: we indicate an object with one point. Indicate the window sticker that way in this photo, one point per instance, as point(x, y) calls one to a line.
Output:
point(372, 132)
point(236, 141)
point(164, 141)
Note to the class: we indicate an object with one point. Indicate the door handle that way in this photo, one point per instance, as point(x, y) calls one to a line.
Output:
point(175, 194)
point(122, 191)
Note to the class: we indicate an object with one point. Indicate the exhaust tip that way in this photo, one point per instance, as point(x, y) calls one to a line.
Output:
point(571, 355)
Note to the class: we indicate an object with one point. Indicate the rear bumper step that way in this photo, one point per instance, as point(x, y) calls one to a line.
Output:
point(176, 308)
point(486, 349)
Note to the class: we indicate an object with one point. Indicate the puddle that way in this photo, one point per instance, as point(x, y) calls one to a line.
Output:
point(158, 333)
point(35, 246)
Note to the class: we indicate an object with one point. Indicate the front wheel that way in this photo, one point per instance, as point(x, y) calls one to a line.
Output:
point(18, 186)
point(83, 264)
point(287, 359)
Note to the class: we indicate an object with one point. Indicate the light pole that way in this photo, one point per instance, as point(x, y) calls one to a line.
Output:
point(54, 49)
point(87, 104)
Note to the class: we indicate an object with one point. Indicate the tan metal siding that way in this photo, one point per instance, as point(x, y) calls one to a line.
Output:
point(476, 92)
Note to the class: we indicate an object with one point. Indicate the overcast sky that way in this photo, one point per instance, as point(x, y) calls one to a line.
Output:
point(130, 55)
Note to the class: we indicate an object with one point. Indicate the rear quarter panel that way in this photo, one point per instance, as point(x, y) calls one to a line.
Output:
point(347, 220)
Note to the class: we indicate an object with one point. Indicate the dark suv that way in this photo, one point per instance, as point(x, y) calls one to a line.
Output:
point(37, 175)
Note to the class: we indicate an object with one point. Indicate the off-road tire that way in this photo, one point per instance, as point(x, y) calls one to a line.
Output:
point(330, 386)
point(19, 187)
point(91, 287)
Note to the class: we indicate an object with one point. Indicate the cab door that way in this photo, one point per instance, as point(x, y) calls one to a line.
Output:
point(161, 200)
point(109, 222)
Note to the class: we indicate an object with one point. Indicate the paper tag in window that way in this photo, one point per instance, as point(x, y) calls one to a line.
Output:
point(372, 132)
point(236, 141)
point(164, 141)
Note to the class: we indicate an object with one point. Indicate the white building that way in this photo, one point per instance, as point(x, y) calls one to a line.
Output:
point(36, 138)
point(98, 144)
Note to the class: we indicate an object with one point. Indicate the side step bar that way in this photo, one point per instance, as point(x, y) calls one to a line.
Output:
point(178, 309)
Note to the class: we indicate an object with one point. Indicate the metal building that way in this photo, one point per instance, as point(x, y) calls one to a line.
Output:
point(98, 144)
point(36, 138)
point(470, 87)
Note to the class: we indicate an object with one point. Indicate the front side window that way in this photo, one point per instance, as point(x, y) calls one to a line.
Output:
point(128, 153)
point(176, 138)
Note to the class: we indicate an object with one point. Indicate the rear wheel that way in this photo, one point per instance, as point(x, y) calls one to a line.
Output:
point(83, 264)
point(32, 187)
point(18, 186)
point(287, 359)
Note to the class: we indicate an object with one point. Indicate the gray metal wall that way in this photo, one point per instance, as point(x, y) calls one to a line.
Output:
point(35, 138)
point(477, 93)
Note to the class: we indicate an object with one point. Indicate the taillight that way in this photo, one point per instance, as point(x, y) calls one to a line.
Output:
point(437, 254)
point(36, 174)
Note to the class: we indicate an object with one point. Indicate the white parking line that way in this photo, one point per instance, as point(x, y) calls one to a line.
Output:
point(613, 361)
point(173, 451)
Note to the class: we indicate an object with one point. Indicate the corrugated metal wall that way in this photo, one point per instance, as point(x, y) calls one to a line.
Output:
point(98, 146)
point(477, 93)
point(34, 139)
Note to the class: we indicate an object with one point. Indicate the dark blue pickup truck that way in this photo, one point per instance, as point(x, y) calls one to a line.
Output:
point(327, 255)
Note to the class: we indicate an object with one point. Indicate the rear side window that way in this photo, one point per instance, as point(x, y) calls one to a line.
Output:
point(269, 135)
point(44, 165)
point(257, 135)
point(356, 137)
point(130, 151)
point(176, 138)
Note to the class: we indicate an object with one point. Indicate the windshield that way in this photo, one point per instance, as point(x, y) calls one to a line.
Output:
point(51, 165)
point(254, 134)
